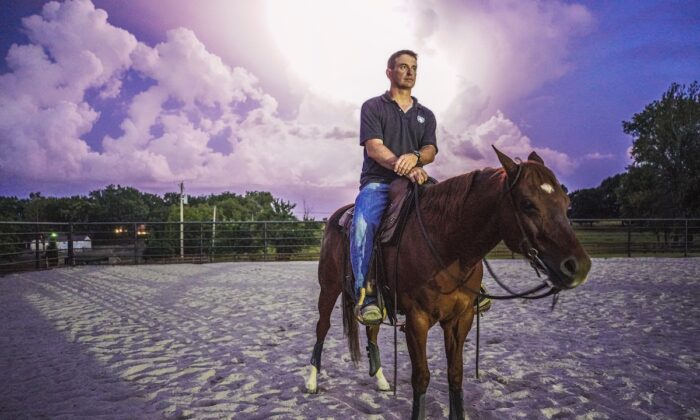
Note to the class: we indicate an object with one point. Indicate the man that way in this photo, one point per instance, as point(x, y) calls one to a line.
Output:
point(398, 135)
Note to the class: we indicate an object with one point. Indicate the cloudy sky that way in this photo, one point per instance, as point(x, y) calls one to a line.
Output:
point(265, 95)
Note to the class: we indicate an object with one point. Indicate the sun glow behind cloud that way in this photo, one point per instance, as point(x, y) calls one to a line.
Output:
point(339, 49)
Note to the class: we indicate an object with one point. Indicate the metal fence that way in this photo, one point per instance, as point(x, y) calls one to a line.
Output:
point(639, 237)
point(32, 246)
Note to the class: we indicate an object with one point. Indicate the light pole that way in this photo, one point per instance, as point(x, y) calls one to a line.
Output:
point(183, 201)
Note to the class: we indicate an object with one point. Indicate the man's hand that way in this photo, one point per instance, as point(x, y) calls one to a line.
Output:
point(418, 175)
point(405, 163)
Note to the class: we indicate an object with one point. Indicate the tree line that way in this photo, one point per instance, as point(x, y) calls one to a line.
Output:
point(663, 181)
point(117, 206)
point(127, 204)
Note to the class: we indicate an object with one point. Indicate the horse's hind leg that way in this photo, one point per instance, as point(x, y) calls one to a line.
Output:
point(456, 331)
point(375, 363)
point(326, 301)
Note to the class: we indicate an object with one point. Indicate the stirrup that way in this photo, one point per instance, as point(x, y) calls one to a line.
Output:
point(483, 303)
point(360, 315)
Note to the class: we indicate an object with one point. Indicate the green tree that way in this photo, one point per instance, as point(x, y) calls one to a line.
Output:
point(664, 179)
point(11, 209)
point(11, 237)
point(597, 203)
point(74, 209)
point(119, 204)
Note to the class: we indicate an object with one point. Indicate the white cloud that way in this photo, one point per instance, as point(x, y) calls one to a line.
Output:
point(598, 156)
point(494, 52)
point(472, 149)
point(85, 50)
point(506, 48)
point(42, 112)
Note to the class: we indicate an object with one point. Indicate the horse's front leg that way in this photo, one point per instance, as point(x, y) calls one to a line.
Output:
point(456, 331)
point(375, 363)
point(417, 325)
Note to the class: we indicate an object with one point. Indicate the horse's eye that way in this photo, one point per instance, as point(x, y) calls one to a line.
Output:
point(529, 206)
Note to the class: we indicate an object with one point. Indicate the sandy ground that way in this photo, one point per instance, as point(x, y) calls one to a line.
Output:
point(234, 340)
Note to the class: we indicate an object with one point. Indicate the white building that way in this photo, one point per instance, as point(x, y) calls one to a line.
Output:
point(80, 241)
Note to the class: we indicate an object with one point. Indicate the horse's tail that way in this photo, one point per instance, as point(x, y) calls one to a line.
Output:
point(350, 327)
point(336, 248)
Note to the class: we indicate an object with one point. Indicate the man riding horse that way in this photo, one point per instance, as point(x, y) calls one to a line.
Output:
point(398, 135)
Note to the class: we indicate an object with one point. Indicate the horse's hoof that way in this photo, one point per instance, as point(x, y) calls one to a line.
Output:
point(311, 388)
point(311, 385)
point(382, 383)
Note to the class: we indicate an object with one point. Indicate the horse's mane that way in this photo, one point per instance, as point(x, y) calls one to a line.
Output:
point(451, 195)
point(448, 198)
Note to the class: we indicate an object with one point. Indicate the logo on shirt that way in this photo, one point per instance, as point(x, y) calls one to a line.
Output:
point(420, 119)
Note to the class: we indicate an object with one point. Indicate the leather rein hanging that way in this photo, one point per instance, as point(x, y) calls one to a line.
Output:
point(530, 253)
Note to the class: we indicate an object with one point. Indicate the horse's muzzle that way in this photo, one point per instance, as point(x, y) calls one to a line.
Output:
point(569, 273)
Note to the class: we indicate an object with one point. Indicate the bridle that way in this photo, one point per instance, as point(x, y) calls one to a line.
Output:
point(529, 251)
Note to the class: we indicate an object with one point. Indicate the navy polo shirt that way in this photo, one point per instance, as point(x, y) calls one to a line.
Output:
point(402, 132)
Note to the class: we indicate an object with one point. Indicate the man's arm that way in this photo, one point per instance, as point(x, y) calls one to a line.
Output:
point(408, 161)
point(427, 154)
point(403, 164)
point(380, 153)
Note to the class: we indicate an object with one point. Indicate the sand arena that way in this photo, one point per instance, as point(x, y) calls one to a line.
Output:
point(233, 340)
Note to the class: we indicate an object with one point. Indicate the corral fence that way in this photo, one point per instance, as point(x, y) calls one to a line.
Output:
point(33, 246)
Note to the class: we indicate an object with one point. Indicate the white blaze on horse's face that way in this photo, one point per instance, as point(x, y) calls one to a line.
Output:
point(547, 188)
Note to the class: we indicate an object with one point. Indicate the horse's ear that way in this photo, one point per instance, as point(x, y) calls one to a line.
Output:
point(535, 158)
point(507, 163)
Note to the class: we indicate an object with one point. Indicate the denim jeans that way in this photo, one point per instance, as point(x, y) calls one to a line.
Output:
point(370, 205)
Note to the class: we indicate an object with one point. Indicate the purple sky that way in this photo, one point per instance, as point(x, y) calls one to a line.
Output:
point(239, 96)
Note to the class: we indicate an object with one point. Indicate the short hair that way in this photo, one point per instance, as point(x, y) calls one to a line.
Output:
point(390, 63)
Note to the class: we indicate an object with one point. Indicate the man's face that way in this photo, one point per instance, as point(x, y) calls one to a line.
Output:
point(403, 75)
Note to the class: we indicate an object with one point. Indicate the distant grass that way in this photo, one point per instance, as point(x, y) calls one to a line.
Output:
point(610, 238)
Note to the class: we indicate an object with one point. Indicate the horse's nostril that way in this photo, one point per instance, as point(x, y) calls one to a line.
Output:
point(569, 266)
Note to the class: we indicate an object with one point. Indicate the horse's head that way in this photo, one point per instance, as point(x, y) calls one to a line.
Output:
point(534, 222)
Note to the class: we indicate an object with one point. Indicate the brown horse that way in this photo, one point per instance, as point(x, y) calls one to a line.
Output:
point(464, 218)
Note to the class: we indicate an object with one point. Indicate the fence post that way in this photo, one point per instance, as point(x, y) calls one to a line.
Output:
point(201, 242)
point(213, 241)
point(136, 245)
point(629, 238)
point(265, 241)
point(685, 250)
point(71, 253)
point(36, 246)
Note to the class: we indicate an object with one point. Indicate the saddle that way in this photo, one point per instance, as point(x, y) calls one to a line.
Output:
point(394, 219)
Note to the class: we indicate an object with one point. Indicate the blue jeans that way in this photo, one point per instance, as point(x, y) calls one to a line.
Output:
point(370, 205)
